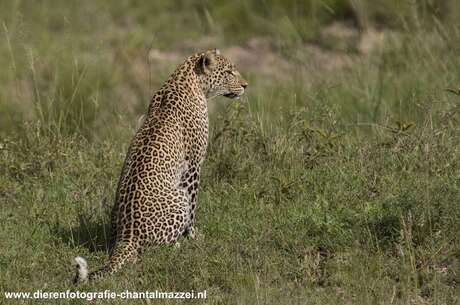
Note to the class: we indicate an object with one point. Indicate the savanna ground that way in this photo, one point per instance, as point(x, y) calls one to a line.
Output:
point(334, 181)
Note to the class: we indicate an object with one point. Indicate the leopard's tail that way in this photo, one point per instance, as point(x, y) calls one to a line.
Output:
point(82, 270)
point(122, 254)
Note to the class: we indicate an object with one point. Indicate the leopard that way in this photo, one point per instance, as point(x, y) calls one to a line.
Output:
point(156, 196)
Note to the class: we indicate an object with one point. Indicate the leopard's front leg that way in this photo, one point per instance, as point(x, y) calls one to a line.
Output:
point(191, 182)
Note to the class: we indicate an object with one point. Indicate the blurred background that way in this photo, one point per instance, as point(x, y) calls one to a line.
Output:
point(82, 63)
point(334, 180)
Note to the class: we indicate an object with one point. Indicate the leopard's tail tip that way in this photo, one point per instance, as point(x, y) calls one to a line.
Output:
point(82, 270)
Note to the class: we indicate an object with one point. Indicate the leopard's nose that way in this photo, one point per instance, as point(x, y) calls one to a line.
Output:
point(244, 85)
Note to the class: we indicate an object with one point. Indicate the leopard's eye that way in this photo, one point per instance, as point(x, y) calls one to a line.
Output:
point(229, 72)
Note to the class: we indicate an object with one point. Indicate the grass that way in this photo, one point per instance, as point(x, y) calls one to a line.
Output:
point(332, 186)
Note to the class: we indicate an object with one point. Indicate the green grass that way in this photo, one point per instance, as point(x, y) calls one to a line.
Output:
point(326, 187)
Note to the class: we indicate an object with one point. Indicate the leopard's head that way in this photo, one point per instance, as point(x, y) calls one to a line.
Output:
point(218, 75)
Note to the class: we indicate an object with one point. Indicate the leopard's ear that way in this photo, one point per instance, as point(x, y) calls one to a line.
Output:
point(207, 61)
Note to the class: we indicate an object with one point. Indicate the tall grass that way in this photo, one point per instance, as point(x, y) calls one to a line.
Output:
point(321, 186)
